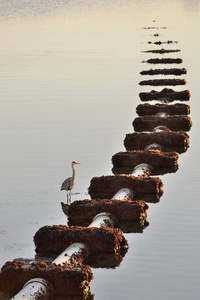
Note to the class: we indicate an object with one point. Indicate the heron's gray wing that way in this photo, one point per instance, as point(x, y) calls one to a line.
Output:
point(66, 184)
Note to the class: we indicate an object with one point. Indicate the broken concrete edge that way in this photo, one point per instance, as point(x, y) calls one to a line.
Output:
point(173, 123)
point(173, 109)
point(105, 187)
point(123, 210)
point(172, 71)
point(165, 94)
point(168, 140)
point(160, 82)
point(68, 279)
point(56, 238)
point(155, 158)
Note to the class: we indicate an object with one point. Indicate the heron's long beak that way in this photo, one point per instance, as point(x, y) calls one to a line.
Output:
point(78, 163)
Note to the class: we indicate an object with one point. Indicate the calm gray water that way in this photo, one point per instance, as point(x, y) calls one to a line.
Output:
point(69, 74)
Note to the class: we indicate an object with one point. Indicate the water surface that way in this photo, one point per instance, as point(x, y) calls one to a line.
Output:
point(69, 87)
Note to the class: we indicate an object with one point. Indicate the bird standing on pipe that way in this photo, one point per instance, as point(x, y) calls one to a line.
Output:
point(69, 183)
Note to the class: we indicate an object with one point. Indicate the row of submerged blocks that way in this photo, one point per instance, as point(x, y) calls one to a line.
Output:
point(96, 226)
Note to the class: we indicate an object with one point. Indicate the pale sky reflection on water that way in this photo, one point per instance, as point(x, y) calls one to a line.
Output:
point(69, 75)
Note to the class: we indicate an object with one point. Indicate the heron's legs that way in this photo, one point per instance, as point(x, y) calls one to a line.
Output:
point(69, 196)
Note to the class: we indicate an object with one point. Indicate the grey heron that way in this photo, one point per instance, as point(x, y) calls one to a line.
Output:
point(69, 183)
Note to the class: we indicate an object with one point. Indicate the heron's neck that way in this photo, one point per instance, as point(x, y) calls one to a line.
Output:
point(73, 172)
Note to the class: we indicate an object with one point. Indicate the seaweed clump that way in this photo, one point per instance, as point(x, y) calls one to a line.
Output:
point(71, 279)
point(56, 238)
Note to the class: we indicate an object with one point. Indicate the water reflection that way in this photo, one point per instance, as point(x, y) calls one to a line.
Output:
point(40, 154)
